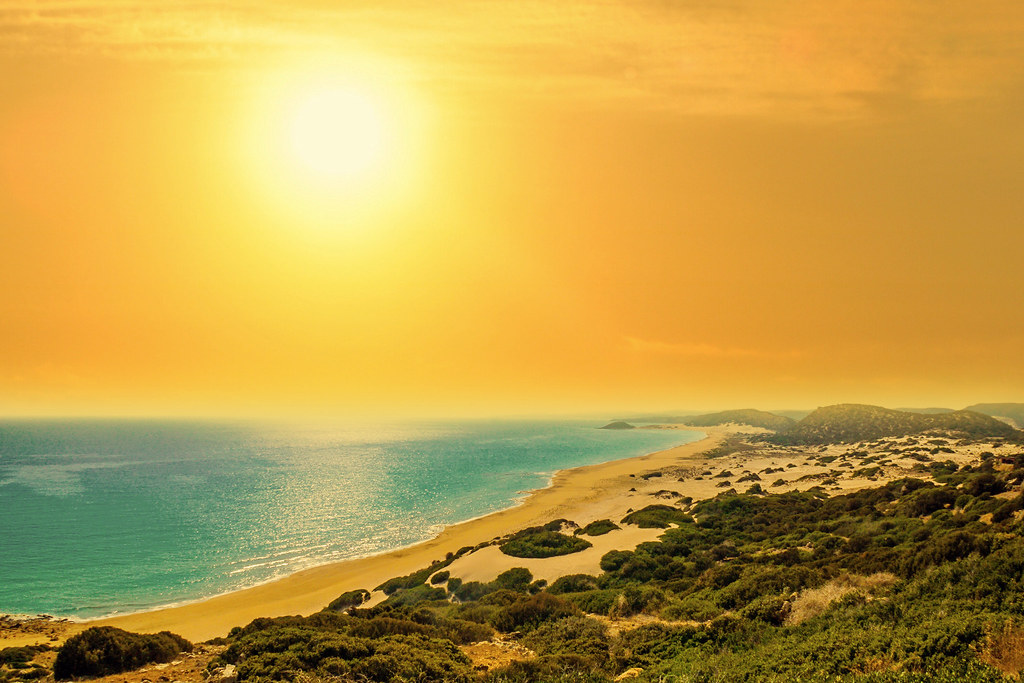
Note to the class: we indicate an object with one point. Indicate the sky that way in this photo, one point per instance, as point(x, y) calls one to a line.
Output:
point(550, 208)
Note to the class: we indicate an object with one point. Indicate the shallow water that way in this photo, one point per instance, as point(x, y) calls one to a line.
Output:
point(103, 517)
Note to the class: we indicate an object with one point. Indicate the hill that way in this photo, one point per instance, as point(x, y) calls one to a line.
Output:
point(744, 416)
point(1012, 411)
point(795, 415)
point(658, 419)
point(846, 423)
point(618, 424)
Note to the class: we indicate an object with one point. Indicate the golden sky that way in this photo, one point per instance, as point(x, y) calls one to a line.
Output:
point(566, 207)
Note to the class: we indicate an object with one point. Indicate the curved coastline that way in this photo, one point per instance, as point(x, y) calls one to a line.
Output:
point(580, 493)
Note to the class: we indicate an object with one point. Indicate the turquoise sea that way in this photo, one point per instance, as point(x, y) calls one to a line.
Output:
point(104, 517)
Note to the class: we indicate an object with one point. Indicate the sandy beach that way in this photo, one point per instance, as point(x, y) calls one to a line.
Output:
point(603, 491)
point(581, 494)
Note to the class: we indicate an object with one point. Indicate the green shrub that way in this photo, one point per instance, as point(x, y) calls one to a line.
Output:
point(548, 669)
point(32, 674)
point(598, 527)
point(636, 599)
point(528, 613)
point(985, 483)
point(347, 601)
point(573, 583)
point(576, 635)
point(415, 595)
point(414, 579)
point(540, 542)
point(594, 601)
point(615, 559)
point(657, 517)
point(470, 590)
point(691, 608)
point(516, 579)
point(281, 653)
point(12, 655)
point(103, 650)
point(772, 609)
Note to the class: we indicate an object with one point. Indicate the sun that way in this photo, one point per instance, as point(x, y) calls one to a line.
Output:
point(338, 134)
point(335, 146)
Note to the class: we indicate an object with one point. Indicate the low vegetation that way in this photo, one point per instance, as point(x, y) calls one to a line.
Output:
point(19, 663)
point(746, 416)
point(103, 650)
point(598, 528)
point(657, 517)
point(848, 423)
point(542, 542)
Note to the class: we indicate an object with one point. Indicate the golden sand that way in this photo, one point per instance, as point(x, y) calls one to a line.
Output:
point(604, 491)
point(581, 494)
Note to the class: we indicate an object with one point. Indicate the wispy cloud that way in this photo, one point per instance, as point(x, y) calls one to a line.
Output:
point(745, 56)
point(702, 350)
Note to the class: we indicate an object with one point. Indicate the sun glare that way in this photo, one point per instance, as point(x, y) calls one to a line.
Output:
point(338, 134)
point(335, 146)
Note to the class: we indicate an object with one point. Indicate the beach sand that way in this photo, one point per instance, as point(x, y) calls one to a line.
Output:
point(582, 494)
point(603, 491)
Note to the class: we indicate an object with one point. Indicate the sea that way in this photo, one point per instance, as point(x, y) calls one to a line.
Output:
point(104, 517)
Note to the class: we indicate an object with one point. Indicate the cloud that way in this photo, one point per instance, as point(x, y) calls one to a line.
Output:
point(742, 57)
point(702, 350)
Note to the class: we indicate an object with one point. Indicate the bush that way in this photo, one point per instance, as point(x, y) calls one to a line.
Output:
point(984, 484)
point(417, 594)
point(347, 601)
point(692, 608)
point(598, 527)
point(414, 579)
point(614, 559)
point(469, 591)
point(594, 602)
point(515, 579)
point(582, 636)
point(531, 612)
point(573, 583)
point(280, 652)
point(636, 599)
point(12, 655)
point(104, 650)
point(771, 609)
point(657, 517)
point(540, 542)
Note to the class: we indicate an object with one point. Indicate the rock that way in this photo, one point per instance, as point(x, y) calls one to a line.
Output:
point(229, 674)
point(629, 673)
point(618, 424)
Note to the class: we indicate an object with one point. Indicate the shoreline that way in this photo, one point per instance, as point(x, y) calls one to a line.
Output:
point(309, 590)
point(678, 476)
